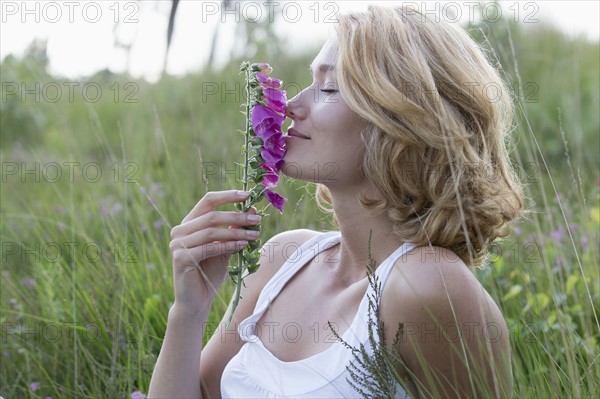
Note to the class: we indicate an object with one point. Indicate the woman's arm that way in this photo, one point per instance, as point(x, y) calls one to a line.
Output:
point(176, 372)
point(201, 251)
point(180, 351)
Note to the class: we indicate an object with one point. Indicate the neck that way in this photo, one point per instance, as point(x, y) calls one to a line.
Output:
point(355, 225)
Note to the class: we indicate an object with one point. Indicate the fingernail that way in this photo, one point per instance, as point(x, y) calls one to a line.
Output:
point(254, 218)
point(243, 193)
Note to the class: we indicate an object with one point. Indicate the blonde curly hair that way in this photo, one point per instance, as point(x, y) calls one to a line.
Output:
point(439, 122)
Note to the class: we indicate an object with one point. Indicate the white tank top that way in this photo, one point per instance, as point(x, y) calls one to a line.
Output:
point(254, 372)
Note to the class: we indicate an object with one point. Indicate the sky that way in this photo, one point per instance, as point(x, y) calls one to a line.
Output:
point(81, 34)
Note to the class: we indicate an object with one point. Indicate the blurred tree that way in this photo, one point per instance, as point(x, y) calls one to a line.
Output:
point(255, 36)
point(215, 38)
point(258, 39)
point(174, 5)
point(122, 41)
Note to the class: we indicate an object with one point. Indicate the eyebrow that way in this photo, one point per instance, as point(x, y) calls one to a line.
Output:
point(323, 68)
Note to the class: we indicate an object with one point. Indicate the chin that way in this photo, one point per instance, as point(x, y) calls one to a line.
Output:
point(310, 170)
point(292, 169)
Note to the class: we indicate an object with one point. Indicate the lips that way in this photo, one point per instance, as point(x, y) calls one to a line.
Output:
point(293, 133)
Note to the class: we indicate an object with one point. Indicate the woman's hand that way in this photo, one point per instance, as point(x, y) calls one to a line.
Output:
point(201, 250)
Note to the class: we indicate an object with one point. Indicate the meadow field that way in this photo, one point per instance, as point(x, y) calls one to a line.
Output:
point(96, 172)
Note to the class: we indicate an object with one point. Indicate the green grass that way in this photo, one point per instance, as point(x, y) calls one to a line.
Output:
point(88, 321)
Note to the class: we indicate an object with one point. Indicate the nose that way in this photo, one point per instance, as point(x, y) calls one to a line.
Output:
point(294, 108)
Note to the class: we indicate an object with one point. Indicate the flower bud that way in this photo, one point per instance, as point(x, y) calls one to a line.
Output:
point(263, 68)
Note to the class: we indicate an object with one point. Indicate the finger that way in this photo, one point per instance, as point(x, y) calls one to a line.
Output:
point(212, 234)
point(213, 219)
point(198, 254)
point(251, 211)
point(211, 200)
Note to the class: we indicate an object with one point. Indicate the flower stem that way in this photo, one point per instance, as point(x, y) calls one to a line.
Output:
point(240, 258)
point(247, 134)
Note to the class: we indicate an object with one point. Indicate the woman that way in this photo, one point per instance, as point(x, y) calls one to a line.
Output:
point(408, 144)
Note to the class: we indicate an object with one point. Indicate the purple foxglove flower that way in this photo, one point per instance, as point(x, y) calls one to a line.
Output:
point(266, 122)
point(278, 140)
point(278, 165)
point(266, 81)
point(271, 178)
point(274, 149)
point(272, 157)
point(275, 199)
point(266, 117)
point(275, 99)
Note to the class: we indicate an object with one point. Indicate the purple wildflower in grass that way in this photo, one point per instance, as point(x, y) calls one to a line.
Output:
point(558, 235)
point(158, 224)
point(559, 197)
point(156, 190)
point(584, 241)
point(574, 227)
point(28, 282)
point(108, 207)
point(137, 395)
point(13, 303)
point(34, 386)
point(559, 262)
point(116, 208)
point(148, 197)
point(518, 231)
point(61, 210)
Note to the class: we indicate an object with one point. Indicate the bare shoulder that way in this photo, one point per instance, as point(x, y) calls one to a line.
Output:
point(450, 324)
point(274, 254)
point(435, 274)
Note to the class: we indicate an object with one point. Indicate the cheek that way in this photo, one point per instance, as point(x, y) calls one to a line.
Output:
point(335, 118)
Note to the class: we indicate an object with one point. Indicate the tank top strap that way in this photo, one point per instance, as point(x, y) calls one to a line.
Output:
point(385, 268)
point(300, 257)
point(358, 333)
